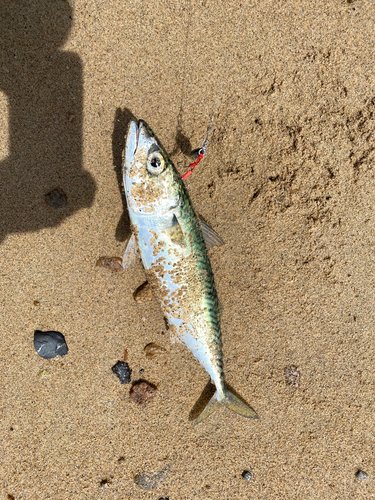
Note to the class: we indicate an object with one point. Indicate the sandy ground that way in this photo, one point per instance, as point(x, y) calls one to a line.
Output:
point(288, 183)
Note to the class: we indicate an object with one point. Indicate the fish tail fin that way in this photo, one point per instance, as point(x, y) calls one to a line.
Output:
point(235, 404)
point(229, 400)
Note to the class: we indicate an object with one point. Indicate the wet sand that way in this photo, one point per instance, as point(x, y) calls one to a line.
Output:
point(288, 183)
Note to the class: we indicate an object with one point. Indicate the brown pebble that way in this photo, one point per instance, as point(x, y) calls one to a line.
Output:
point(126, 355)
point(291, 375)
point(112, 263)
point(56, 198)
point(143, 293)
point(142, 392)
point(153, 350)
point(36, 302)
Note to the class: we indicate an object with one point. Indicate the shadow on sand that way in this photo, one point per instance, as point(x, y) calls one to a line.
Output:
point(43, 87)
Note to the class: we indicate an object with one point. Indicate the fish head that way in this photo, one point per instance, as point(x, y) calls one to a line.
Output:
point(151, 183)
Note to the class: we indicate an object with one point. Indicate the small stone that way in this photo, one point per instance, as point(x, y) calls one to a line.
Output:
point(143, 293)
point(56, 198)
point(123, 371)
point(291, 375)
point(142, 392)
point(246, 475)
point(104, 484)
point(36, 303)
point(149, 481)
point(361, 475)
point(43, 374)
point(50, 344)
point(112, 263)
point(152, 350)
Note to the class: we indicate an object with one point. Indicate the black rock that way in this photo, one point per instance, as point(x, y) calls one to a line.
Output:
point(56, 198)
point(123, 371)
point(50, 344)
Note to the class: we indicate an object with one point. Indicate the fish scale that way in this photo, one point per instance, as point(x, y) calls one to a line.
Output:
point(173, 251)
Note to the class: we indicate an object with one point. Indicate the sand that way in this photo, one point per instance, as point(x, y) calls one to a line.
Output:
point(288, 183)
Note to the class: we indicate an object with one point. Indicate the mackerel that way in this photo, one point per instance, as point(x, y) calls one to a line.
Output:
point(172, 244)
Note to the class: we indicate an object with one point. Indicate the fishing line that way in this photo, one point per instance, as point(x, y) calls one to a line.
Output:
point(201, 152)
point(226, 56)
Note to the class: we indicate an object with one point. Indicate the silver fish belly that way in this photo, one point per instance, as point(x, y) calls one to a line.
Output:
point(187, 293)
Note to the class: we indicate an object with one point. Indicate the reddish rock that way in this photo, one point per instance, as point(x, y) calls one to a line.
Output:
point(142, 392)
point(112, 263)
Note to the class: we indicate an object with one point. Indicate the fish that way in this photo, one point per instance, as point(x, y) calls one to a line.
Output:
point(172, 243)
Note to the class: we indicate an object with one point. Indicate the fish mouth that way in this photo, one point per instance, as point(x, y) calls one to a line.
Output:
point(136, 141)
point(131, 143)
point(137, 138)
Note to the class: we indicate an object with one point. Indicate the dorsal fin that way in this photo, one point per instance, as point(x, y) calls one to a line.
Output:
point(211, 238)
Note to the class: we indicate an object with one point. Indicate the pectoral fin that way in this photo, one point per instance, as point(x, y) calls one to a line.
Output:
point(175, 233)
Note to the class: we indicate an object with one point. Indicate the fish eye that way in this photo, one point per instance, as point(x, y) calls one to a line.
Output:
point(155, 163)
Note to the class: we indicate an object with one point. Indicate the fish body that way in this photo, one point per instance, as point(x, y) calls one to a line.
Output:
point(174, 254)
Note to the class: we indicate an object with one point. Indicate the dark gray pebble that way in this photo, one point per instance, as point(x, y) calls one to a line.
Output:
point(246, 475)
point(361, 475)
point(56, 198)
point(149, 481)
point(50, 344)
point(123, 372)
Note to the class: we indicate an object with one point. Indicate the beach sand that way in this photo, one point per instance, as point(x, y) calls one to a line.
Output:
point(288, 183)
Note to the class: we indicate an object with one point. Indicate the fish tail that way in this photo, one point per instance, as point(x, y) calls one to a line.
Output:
point(229, 400)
